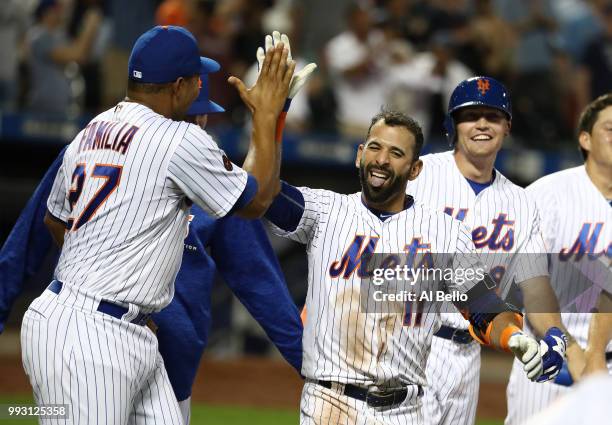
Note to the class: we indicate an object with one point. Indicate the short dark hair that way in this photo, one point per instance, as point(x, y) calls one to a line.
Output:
point(150, 88)
point(396, 118)
point(589, 117)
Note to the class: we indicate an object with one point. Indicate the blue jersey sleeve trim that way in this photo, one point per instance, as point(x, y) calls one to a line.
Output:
point(249, 192)
point(287, 208)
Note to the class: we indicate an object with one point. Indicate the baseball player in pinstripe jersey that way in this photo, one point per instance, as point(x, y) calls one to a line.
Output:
point(363, 367)
point(119, 207)
point(503, 221)
point(576, 211)
point(183, 326)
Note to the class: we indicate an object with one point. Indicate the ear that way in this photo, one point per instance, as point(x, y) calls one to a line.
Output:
point(415, 169)
point(178, 85)
point(508, 127)
point(359, 154)
point(584, 139)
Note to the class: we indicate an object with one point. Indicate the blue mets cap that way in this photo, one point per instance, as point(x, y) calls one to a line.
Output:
point(203, 105)
point(165, 53)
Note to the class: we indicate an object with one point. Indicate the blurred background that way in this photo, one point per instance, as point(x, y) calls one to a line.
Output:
point(64, 61)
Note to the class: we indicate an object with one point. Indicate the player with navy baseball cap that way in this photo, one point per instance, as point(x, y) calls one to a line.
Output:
point(122, 241)
point(165, 53)
point(202, 106)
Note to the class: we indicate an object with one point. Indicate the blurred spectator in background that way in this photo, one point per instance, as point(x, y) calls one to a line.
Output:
point(129, 20)
point(491, 41)
point(418, 20)
point(422, 86)
point(595, 75)
point(91, 69)
point(13, 26)
point(578, 24)
point(50, 51)
point(313, 109)
point(535, 96)
point(216, 26)
point(322, 20)
point(173, 12)
point(357, 64)
point(249, 31)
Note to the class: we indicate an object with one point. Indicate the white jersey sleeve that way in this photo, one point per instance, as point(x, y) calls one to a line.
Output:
point(315, 202)
point(58, 202)
point(548, 208)
point(205, 174)
point(466, 265)
point(531, 259)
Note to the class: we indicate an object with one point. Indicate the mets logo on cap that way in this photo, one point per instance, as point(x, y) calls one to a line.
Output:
point(483, 85)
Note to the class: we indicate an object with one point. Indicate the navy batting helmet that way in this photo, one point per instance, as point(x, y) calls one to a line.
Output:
point(476, 91)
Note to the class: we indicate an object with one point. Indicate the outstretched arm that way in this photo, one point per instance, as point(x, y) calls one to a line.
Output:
point(543, 312)
point(28, 244)
point(244, 257)
point(265, 101)
point(497, 324)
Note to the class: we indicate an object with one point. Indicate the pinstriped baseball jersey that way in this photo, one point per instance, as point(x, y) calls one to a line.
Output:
point(577, 225)
point(502, 219)
point(124, 190)
point(577, 229)
point(342, 342)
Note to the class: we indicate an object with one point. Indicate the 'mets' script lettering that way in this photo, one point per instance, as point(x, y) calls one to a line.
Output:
point(585, 243)
point(501, 237)
point(110, 135)
point(351, 260)
point(362, 247)
point(495, 240)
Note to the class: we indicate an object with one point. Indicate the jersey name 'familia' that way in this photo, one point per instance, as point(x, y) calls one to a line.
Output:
point(135, 227)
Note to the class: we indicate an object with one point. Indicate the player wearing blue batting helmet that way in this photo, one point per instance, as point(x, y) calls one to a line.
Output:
point(202, 106)
point(476, 91)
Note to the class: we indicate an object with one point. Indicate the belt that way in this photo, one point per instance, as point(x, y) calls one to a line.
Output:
point(373, 398)
point(106, 307)
point(460, 336)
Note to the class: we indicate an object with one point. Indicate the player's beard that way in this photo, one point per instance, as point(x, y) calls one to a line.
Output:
point(380, 195)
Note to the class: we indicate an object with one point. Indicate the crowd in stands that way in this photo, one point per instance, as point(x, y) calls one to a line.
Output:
point(69, 57)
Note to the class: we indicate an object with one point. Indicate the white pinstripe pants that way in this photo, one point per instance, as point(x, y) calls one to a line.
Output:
point(106, 370)
point(323, 406)
point(453, 379)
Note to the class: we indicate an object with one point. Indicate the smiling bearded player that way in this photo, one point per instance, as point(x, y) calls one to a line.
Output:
point(361, 366)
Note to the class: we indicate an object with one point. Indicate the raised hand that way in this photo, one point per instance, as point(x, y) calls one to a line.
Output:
point(268, 94)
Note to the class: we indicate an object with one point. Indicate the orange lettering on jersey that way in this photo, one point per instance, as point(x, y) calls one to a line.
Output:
point(483, 85)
